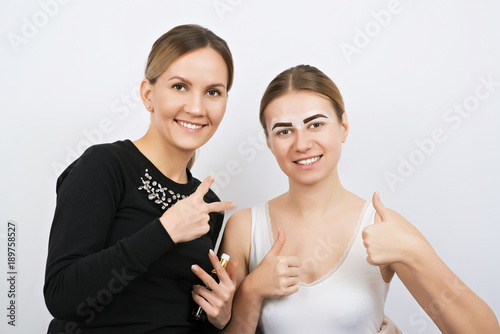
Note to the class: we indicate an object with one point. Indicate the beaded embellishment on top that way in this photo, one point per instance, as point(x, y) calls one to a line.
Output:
point(160, 195)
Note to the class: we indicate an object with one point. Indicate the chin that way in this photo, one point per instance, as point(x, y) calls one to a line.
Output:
point(305, 179)
point(186, 143)
point(190, 147)
point(308, 181)
point(310, 177)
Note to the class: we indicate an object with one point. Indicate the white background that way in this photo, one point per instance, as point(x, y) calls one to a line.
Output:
point(69, 72)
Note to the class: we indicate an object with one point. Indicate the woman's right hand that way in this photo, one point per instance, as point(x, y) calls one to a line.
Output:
point(276, 275)
point(188, 219)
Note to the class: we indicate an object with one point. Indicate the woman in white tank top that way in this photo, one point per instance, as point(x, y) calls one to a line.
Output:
point(330, 273)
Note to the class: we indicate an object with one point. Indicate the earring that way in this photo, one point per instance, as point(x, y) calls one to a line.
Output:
point(149, 107)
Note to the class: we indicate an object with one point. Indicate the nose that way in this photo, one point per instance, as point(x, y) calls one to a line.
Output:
point(194, 105)
point(303, 142)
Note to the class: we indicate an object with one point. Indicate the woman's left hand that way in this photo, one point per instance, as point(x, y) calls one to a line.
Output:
point(390, 240)
point(217, 300)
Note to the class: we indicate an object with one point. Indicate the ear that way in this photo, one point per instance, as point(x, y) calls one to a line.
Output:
point(345, 127)
point(146, 92)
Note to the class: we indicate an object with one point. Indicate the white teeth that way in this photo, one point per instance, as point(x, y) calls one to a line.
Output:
point(190, 126)
point(308, 161)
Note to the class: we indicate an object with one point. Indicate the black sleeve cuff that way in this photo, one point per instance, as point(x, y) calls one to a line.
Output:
point(150, 243)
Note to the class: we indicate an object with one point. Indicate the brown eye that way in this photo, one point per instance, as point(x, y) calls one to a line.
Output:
point(315, 125)
point(214, 92)
point(284, 132)
point(178, 87)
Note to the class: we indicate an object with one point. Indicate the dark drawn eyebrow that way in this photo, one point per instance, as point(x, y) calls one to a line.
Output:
point(308, 119)
point(281, 124)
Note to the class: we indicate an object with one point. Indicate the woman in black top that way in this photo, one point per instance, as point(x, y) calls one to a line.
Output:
point(133, 230)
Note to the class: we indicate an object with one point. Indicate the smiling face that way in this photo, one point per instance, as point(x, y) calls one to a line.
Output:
point(305, 135)
point(188, 100)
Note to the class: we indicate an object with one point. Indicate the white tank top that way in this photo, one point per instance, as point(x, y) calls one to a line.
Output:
point(349, 299)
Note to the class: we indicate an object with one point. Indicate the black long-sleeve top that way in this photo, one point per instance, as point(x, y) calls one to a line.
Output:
point(112, 267)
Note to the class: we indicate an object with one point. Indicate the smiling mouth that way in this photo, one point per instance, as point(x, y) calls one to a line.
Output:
point(190, 126)
point(308, 161)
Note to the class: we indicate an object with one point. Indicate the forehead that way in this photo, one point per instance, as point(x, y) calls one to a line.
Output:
point(297, 104)
point(204, 64)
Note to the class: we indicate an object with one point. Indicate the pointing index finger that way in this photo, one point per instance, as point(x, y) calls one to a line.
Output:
point(220, 206)
point(205, 185)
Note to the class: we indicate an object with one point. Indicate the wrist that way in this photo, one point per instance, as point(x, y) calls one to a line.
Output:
point(169, 228)
point(224, 325)
point(251, 289)
point(419, 253)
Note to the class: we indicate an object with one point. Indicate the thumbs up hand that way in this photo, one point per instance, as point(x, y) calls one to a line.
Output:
point(276, 275)
point(390, 240)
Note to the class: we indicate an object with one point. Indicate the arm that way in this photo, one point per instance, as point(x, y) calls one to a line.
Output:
point(236, 243)
point(193, 215)
point(452, 306)
point(78, 266)
point(276, 275)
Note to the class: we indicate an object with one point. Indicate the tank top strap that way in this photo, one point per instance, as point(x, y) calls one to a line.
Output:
point(368, 217)
point(261, 241)
point(357, 254)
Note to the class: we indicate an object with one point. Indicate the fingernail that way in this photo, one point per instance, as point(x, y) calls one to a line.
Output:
point(211, 252)
point(194, 267)
point(212, 177)
point(232, 206)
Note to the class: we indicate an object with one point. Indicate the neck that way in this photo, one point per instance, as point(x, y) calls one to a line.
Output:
point(316, 199)
point(170, 161)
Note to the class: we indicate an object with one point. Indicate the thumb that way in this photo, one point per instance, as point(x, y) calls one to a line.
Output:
point(379, 207)
point(278, 244)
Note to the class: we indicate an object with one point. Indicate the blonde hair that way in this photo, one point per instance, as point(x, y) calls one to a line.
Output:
point(301, 78)
point(179, 41)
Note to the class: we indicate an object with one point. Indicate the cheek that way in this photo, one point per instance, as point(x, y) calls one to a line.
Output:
point(216, 111)
point(280, 147)
point(333, 145)
point(168, 108)
point(330, 138)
